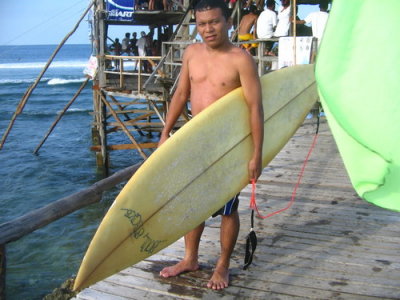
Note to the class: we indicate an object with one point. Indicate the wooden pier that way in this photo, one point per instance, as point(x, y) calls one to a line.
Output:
point(329, 245)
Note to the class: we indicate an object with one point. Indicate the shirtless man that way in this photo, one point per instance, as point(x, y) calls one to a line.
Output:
point(210, 70)
point(248, 22)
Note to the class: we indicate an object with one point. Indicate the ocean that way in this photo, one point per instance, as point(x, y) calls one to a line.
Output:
point(43, 260)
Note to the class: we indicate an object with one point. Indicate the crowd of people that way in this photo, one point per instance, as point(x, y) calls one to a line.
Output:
point(270, 23)
point(158, 5)
point(255, 24)
point(132, 45)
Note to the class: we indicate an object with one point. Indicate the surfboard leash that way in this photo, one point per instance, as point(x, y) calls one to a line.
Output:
point(251, 239)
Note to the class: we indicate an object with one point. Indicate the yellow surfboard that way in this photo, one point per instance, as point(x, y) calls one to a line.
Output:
point(194, 173)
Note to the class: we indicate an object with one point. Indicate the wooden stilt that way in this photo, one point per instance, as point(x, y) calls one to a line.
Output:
point(102, 132)
point(60, 115)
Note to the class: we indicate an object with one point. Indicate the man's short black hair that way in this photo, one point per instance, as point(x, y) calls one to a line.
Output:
point(323, 5)
point(210, 4)
point(270, 3)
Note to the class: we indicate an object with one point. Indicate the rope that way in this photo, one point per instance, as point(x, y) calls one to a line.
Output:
point(253, 204)
point(251, 238)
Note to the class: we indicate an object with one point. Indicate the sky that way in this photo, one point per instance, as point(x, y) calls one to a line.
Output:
point(38, 22)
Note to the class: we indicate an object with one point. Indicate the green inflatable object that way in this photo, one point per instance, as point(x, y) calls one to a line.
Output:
point(358, 77)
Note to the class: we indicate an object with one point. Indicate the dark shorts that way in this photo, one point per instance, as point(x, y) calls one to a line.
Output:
point(228, 208)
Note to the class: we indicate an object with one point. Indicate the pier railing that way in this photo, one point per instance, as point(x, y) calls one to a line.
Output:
point(15, 229)
point(130, 72)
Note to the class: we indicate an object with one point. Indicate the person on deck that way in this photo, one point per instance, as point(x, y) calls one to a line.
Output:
point(283, 26)
point(134, 48)
point(266, 24)
point(267, 21)
point(247, 23)
point(116, 47)
point(156, 4)
point(210, 70)
point(142, 43)
point(317, 20)
point(126, 43)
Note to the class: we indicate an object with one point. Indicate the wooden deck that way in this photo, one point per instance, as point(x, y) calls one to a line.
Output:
point(329, 245)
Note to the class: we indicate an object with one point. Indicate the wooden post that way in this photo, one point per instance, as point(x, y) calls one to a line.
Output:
point(121, 73)
point(102, 130)
point(139, 88)
point(98, 130)
point(60, 115)
point(294, 15)
point(2, 271)
point(101, 40)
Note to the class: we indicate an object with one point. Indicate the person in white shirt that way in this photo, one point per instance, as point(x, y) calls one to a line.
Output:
point(317, 20)
point(125, 43)
point(267, 21)
point(282, 28)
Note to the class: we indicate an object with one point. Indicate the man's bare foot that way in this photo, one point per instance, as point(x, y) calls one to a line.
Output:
point(180, 267)
point(220, 279)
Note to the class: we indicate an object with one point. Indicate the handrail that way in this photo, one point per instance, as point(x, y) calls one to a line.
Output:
point(122, 71)
point(18, 228)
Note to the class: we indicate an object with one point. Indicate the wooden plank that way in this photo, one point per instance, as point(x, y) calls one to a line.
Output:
point(125, 146)
point(17, 228)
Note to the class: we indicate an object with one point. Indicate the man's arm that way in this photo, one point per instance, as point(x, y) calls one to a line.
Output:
point(179, 99)
point(251, 85)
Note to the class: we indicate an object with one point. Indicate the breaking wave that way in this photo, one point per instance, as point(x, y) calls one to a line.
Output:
point(39, 65)
point(58, 81)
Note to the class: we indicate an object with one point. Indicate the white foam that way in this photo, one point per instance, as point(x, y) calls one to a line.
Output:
point(40, 65)
point(57, 81)
point(19, 81)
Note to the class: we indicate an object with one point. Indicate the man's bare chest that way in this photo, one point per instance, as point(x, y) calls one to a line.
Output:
point(213, 73)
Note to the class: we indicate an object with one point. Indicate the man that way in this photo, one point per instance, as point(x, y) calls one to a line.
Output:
point(248, 22)
point(142, 44)
point(282, 28)
point(116, 47)
point(134, 48)
point(125, 43)
point(210, 70)
point(266, 24)
point(267, 21)
point(317, 20)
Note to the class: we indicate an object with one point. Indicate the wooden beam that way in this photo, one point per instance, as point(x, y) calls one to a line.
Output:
point(123, 127)
point(60, 115)
point(17, 228)
point(125, 147)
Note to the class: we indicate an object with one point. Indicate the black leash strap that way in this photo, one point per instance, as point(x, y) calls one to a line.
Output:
point(251, 244)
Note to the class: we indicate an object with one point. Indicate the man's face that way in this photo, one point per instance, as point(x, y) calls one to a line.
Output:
point(285, 3)
point(212, 27)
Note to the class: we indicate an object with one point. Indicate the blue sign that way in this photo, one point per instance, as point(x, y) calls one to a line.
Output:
point(120, 10)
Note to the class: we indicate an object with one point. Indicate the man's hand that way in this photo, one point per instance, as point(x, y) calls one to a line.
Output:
point(163, 138)
point(255, 168)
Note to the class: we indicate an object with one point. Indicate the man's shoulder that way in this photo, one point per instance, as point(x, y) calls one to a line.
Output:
point(195, 48)
point(240, 56)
